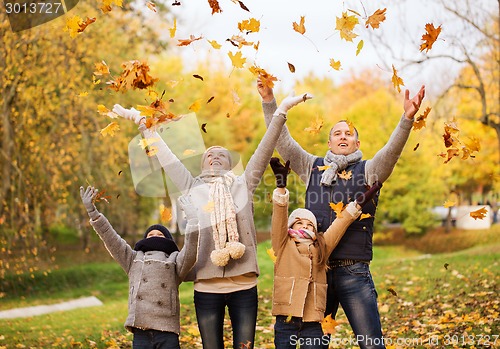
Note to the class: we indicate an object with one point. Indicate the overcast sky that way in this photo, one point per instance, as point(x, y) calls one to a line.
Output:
point(280, 44)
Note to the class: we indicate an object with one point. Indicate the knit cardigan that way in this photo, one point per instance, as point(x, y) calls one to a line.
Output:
point(242, 190)
point(154, 278)
point(299, 281)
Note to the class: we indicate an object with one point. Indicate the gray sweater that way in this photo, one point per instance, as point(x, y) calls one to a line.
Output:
point(242, 191)
point(154, 278)
point(378, 168)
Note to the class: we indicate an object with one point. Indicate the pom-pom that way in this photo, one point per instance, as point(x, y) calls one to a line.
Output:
point(236, 249)
point(220, 257)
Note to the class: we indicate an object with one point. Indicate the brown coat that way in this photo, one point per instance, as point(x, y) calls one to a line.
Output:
point(299, 281)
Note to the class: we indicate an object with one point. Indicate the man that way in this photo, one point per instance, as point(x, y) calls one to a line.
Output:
point(350, 282)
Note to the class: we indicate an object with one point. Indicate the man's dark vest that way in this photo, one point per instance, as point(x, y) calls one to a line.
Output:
point(357, 240)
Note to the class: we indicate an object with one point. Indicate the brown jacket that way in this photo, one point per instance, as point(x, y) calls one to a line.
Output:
point(299, 281)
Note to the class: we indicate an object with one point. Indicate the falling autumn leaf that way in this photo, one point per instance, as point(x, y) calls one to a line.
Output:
point(291, 67)
point(165, 213)
point(249, 25)
point(110, 129)
point(315, 127)
point(361, 43)
point(345, 25)
point(300, 27)
point(449, 203)
point(173, 30)
point(391, 290)
point(396, 80)
point(198, 77)
point(419, 121)
point(152, 150)
point(337, 208)
point(106, 5)
point(328, 324)
point(196, 106)
point(375, 19)
point(101, 68)
point(214, 44)
point(101, 197)
point(242, 5)
point(152, 7)
point(209, 207)
point(429, 37)
point(345, 175)
point(335, 64)
point(188, 152)
point(479, 214)
point(364, 216)
point(323, 168)
point(210, 99)
point(236, 59)
point(416, 147)
point(135, 74)
point(76, 25)
point(147, 142)
point(214, 5)
point(186, 42)
point(204, 127)
point(266, 78)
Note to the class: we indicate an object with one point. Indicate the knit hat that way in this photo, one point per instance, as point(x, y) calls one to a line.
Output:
point(302, 213)
point(161, 228)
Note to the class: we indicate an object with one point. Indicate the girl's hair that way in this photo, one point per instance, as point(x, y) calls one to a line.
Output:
point(322, 257)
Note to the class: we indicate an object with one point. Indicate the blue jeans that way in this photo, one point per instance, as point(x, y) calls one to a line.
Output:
point(153, 339)
point(210, 311)
point(352, 286)
point(289, 334)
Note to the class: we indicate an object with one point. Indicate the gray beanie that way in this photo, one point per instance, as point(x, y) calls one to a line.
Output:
point(302, 213)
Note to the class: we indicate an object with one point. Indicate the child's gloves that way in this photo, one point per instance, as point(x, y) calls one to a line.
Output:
point(280, 172)
point(88, 196)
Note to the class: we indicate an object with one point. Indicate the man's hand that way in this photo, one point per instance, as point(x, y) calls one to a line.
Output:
point(411, 106)
point(280, 172)
point(130, 114)
point(291, 101)
point(265, 91)
point(88, 196)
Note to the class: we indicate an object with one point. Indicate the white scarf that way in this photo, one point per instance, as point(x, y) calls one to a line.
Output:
point(337, 163)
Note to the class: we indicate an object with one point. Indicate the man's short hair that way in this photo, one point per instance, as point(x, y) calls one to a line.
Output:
point(356, 133)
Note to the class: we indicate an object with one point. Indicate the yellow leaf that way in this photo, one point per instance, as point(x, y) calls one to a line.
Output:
point(106, 5)
point(328, 324)
point(110, 129)
point(337, 208)
point(271, 254)
point(196, 106)
point(75, 25)
point(266, 78)
point(345, 25)
point(323, 168)
point(101, 109)
point(345, 175)
point(237, 59)
point(364, 215)
point(361, 43)
point(209, 207)
point(150, 5)
point(315, 127)
point(151, 150)
point(335, 64)
point(300, 28)
point(419, 121)
point(449, 203)
point(479, 214)
point(396, 80)
point(101, 68)
point(250, 25)
point(83, 94)
point(173, 30)
point(146, 142)
point(188, 152)
point(215, 44)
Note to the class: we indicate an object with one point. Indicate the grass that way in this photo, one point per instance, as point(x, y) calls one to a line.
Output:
point(449, 299)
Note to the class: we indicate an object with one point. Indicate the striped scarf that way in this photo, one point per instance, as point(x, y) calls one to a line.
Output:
point(302, 235)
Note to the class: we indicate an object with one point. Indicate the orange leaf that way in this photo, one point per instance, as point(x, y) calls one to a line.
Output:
point(101, 68)
point(135, 74)
point(419, 121)
point(337, 208)
point(396, 80)
point(151, 6)
point(196, 106)
point(364, 216)
point(250, 25)
point(291, 67)
point(300, 28)
point(214, 5)
point(375, 19)
point(266, 78)
point(315, 127)
point(429, 37)
point(186, 42)
point(328, 324)
point(345, 175)
point(479, 214)
point(165, 213)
